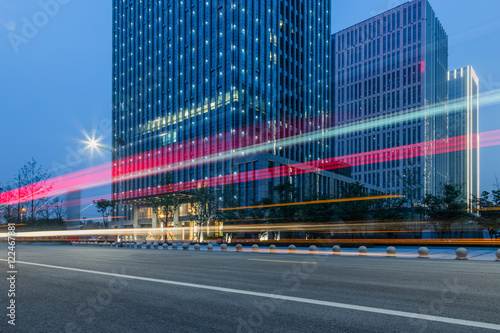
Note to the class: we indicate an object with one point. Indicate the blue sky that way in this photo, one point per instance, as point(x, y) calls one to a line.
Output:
point(57, 83)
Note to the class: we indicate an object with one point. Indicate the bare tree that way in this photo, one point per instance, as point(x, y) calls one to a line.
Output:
point(33, 187)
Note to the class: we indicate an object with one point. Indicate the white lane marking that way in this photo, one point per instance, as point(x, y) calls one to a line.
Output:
point(284, 298)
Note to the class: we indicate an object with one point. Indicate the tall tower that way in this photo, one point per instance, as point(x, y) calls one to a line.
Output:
point(196, 83)
point(393, 64)
point(463, 122)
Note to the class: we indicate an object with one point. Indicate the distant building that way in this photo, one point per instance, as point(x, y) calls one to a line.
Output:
point(393, 64)
point(463, 121)
point(193, 79)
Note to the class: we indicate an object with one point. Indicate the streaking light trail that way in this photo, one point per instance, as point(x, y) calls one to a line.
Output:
point(378, 197)
point(100, 176)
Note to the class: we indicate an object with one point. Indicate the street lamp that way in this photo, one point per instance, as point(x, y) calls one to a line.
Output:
point(94, 144)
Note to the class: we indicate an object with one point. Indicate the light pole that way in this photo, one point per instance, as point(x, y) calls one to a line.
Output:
point(95, 144)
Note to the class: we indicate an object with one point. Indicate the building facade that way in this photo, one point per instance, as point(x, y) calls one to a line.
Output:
point(203, 90)
point(390, 80)
point(463, 122)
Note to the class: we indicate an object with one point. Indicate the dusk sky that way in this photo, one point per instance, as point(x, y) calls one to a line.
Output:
point(56, 84)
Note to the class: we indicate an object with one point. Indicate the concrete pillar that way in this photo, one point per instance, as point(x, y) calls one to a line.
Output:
point(154, 221)
point(135, 218)
point(176, 216)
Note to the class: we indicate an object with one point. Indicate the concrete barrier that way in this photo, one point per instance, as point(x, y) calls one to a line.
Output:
point(461, 253)
point(423, 252)
point(223, 247)
point(363, 250)
point(197, 247)
point(313, 249)
point(239, 248)
point(210, 247)
point(291, 248)
point(391, 251)
point(255, 248)
point(272, 248)
point(336, 249)
point(185, 246)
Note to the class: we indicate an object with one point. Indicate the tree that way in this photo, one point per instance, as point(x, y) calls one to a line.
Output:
point(105, 207)
point(283, 193)
point(203, 204)
point(33, 187)
point(228, 199)
point(446, 209)
point(164, 204)
point(390, 214)
point(489, 215)
point(353, 210)
point(58, 208)
point(412, 186)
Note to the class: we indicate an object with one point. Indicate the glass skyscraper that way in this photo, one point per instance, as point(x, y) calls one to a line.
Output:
point(208, 89)
point(388, 69)
point(463, 123)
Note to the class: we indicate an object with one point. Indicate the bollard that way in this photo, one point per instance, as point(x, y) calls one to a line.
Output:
point(461, 253)
point(155, 246)
point(313, 249)
point(210, 247)
point(362, 250)
point(391, 251)
point(145, 245)
point(185, 246)
point(239, 248)
point(272, 248)
point(336, 249)
point(223, 247)
point(113, 244)
point(255, 248)
point(423, 252)
point(197, 247)
point(291, 248)
point(160, 245)
point(498, 255)
point(174, 246)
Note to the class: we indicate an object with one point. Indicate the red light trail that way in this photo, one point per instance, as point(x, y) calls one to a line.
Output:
point(99, 176)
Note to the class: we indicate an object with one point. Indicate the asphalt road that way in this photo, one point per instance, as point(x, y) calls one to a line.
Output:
point(90, 289)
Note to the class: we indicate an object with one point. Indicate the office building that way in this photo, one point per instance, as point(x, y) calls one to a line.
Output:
point(463, 123)
point(391, 65)
point(207, 80)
